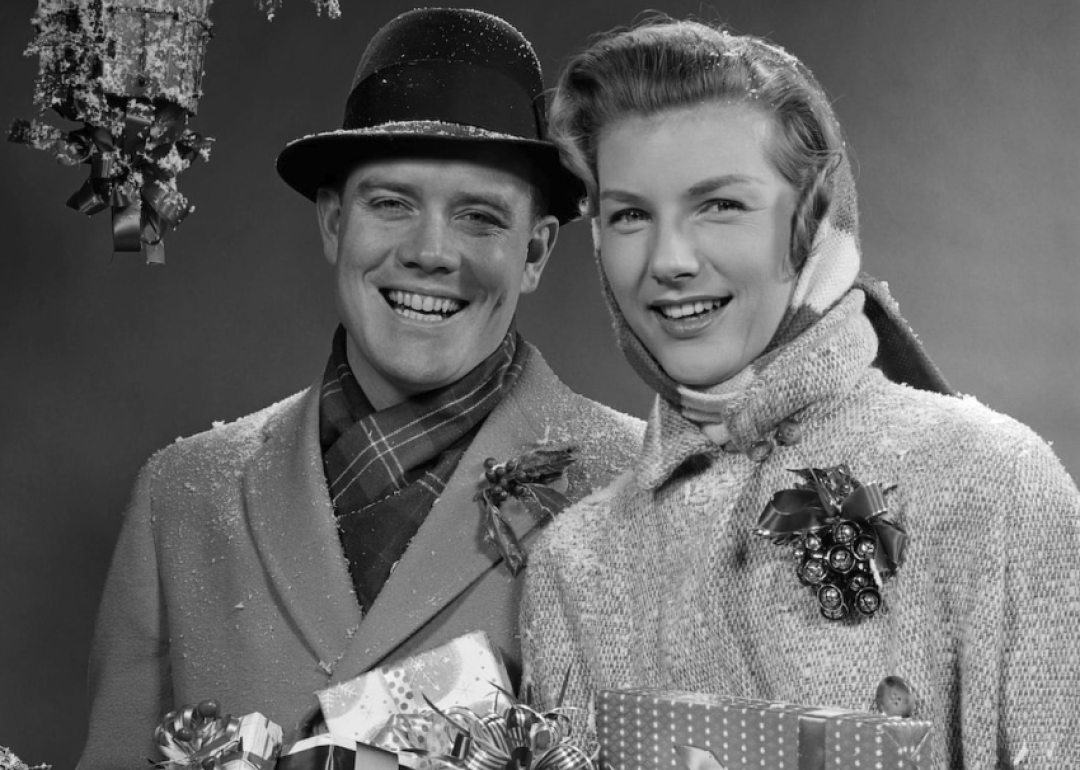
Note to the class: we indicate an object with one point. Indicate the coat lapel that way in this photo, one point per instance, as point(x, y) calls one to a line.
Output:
point(293, 528)
point(448, 553)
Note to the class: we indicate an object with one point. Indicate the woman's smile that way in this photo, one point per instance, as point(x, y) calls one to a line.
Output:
point(687, 318)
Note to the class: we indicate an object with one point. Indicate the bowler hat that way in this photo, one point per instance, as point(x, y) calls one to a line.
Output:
point(439, 75)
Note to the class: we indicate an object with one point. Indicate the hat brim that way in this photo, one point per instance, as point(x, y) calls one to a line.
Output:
point(311, 162)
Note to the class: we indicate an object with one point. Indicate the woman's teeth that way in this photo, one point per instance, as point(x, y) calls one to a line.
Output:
point(422, 307)
point(690, 308)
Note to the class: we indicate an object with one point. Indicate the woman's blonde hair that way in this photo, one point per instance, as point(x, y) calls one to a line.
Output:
point(667, 64)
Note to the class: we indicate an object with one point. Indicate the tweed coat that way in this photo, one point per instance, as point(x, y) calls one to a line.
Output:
point(229, 580)
point(660, 581)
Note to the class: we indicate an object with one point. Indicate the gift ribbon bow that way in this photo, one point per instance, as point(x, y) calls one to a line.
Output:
point(519, 739)
point(190, 739)
point(793, 512)
point(142, 214)
point(127, 171)
point(198, 737)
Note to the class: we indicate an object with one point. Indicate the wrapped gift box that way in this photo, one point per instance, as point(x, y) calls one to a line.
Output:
point(464, 672)
point(156, 50)
point(331, 752)
point(667, 730)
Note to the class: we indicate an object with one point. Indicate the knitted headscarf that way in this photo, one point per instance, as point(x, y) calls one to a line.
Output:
point(831, 265)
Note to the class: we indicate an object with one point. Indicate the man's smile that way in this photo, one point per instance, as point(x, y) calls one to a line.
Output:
point(422, 307)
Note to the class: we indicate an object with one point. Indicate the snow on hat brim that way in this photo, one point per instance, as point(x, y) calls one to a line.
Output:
point(314, 161)
point(450, 76)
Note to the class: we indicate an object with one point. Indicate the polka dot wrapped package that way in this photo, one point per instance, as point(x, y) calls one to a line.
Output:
point(667, 730)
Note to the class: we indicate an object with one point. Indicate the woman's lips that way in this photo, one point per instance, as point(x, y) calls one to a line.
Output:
point(686, 319)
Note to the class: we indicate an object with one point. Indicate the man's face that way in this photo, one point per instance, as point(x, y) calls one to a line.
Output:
point(430, 255)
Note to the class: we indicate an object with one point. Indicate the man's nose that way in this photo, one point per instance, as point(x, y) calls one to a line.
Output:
point(431, 246)
point(673, 256)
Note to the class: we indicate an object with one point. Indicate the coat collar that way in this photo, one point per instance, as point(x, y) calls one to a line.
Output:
point(294, 530)
point(824, 361)
point(293, 526)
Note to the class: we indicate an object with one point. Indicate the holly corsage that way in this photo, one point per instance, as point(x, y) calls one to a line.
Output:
point(844, 545)
point(528, 478)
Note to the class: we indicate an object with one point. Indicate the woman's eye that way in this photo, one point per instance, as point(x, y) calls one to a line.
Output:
point(723, 205)
point(627, 217)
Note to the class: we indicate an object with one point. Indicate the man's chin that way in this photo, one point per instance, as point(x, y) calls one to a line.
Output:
point(427, 375)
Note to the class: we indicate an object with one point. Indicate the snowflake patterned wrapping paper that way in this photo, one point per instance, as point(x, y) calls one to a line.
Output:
point(465, 671)
point(650, 730)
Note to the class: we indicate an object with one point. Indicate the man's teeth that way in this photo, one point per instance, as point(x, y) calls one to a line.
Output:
point(689, 308)
point(405, 302)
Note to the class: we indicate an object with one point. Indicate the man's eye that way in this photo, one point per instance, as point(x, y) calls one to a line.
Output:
point(388, 205)
point(482, 219)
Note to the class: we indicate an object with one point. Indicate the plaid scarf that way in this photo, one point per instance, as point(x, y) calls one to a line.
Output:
point(385, 469)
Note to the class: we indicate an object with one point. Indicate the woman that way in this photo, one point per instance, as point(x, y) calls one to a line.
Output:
point(725, 217)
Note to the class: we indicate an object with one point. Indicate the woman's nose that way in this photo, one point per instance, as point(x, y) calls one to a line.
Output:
point(430, 247)
point(674, 257)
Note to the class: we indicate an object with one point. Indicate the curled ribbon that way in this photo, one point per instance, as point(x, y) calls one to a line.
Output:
point(194, 735)
point(519, 739)
point(198, 737)
point(794, 512)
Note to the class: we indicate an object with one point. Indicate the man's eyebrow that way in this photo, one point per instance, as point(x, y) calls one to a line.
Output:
point(493, 200)
point(499, 203)
point(372, 183)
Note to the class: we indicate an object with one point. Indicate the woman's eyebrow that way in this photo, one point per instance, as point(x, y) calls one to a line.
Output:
point(619, 196)
point(713, 183)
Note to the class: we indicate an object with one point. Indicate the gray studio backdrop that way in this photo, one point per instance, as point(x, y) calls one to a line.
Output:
point(963, 116)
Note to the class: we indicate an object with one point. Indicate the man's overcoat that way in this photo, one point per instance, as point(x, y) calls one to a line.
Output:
point(229, 580)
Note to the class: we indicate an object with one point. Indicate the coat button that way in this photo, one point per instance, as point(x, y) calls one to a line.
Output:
point(789, 432)
point(894, 698)
point(760, 451)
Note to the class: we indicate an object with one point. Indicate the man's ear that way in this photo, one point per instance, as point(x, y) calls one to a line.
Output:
point(542, 242)
point(328, 211)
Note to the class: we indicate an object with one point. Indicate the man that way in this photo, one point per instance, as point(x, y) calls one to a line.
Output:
point(257, 561)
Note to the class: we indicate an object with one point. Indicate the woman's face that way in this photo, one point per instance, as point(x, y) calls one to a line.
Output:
point(695, 230)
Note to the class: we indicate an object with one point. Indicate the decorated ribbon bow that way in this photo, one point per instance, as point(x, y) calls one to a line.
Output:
point(518, 739)
point(527, 478)
point(844, 544)
point(131, 77)
point(200, 737)
point(827, 497)
point(132, 172)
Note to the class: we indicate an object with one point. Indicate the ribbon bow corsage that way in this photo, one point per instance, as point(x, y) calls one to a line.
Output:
point(839, 534)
